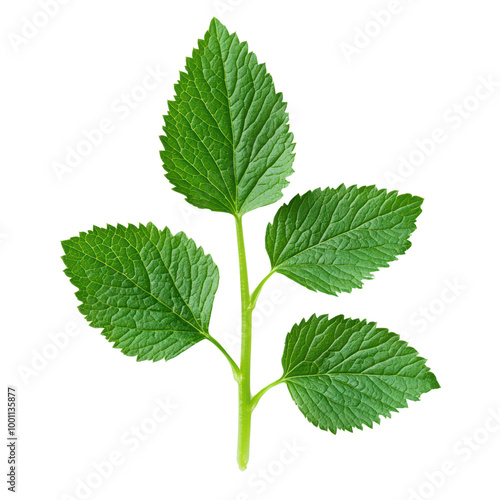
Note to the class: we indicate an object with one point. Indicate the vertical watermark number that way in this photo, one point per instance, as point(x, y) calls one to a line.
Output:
point(11, 439)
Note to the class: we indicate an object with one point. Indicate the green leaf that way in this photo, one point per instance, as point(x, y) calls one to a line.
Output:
point(227, 146)
point(150, 291)
point(330, 240)
point(344, 373)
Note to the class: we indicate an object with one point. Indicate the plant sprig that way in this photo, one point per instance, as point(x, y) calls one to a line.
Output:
point(228, 148)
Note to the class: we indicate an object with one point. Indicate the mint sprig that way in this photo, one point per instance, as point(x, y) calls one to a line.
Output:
point(227, 147)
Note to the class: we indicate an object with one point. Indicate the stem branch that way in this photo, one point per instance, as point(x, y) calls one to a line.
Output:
point(234, 366)
point(261, 393)
point(256, 292)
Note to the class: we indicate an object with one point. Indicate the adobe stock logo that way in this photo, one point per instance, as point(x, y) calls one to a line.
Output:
point(223, 7)
point(463, 451)
point(365, 34)
point(44, 356)
point(121, 108)
point(31, 26)
point(453, 118)
point(265, 476)
point(428, 313)
point(129, 443)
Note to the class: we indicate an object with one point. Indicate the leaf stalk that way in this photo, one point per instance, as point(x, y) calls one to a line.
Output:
point(255, 399)
point(255, 295)
point(234, 366)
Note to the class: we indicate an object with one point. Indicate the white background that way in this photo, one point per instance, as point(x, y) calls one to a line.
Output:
point(357, 103)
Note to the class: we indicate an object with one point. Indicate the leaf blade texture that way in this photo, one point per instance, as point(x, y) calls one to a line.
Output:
point(344, 373)
point(331, 240)
point(150, 291)
point(227, 145)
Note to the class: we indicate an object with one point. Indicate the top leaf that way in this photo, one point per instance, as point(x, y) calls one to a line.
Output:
point(227, 144)
point(330, 240)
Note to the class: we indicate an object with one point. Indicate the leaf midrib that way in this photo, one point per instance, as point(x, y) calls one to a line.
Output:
point(235, 201)
point(332, 375)
point(142, 289)
point(360, 227)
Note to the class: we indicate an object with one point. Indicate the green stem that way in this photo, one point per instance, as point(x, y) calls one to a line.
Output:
point(245, 396)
